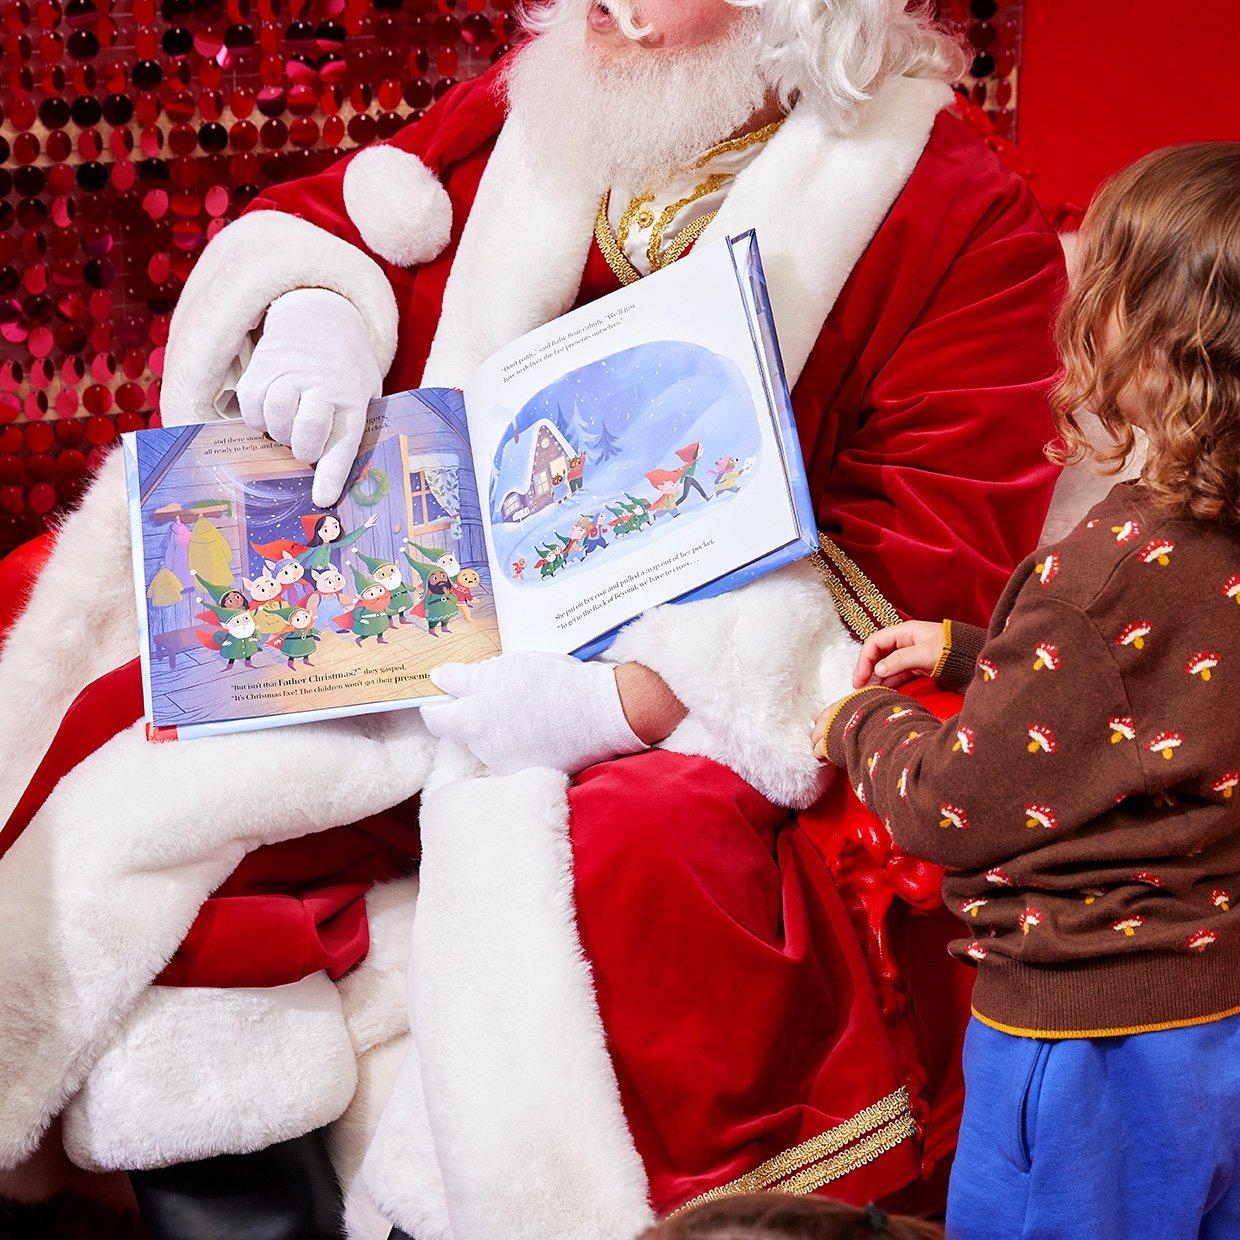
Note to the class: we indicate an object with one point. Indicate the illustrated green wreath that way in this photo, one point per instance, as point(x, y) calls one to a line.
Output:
point(368, 497)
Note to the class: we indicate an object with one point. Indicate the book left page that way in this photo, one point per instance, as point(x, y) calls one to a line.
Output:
point(261, 609)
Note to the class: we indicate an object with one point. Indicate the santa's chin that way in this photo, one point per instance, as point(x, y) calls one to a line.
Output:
point(631, 113)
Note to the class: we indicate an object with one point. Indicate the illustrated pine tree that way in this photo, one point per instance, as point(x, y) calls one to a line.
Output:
point(576, 433)
point(604, 445)
point(561, 423)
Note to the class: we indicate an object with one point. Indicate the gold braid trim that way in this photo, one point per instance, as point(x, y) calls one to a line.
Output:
point(807, 1167)
point(686, 237)
point(613, 249)
point(870, 595)
point(616, 258)
point(632, 211)
point(867, 1150)
point(612, 244)
point(659, 257)
point(743, 143)
point(859, 601)
point(849, 609)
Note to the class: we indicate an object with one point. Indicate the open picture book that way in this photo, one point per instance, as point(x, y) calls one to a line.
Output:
point(636, 451)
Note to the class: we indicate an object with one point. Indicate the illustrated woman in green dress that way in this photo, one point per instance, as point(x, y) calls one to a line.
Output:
point(325, 534)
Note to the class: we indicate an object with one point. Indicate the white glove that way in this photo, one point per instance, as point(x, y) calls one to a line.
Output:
point(523, 709)
point(308, 383)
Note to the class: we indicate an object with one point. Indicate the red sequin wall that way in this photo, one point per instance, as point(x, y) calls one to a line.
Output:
point(131, 131)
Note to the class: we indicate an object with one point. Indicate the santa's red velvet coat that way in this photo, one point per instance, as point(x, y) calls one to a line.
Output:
point(625, 992)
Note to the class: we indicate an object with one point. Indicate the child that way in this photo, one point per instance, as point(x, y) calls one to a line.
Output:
point(666, 482)
point(782, 1216)
point(1082, 801)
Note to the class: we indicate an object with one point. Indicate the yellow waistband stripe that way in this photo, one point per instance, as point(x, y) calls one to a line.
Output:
point(1124, 1031)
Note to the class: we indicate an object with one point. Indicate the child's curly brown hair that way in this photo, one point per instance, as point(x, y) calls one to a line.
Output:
point(782, 1216)
point(1154, 315)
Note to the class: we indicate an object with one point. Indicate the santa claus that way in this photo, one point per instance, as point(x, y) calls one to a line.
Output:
point(548, 982)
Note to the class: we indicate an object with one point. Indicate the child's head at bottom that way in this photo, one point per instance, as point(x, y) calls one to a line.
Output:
point(780, 1216)
point(1150, 333)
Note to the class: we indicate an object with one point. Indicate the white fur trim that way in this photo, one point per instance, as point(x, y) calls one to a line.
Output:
point(374, 993)
point(99, 891)
point(244, 269)
point(496, 289)
point(353, 1134)
point(743, 663)
point(524, 1107)
point(401, 1177)
point(817, 197)
point(398, 204)
point(197, 1072)
point(49, 657)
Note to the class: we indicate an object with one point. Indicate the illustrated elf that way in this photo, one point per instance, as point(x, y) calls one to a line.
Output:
point(403, 600)
point(440, 605)
point(235, 635)
point(369, 616)
point(300, 638)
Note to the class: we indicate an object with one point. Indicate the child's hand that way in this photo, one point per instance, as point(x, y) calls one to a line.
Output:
point(818, 737)
point(896, 654)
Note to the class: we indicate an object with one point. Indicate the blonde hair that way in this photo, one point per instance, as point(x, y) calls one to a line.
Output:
point(1155, 311)
point(838, 53)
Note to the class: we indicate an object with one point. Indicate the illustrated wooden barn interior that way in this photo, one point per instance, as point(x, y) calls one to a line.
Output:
point(221, 517)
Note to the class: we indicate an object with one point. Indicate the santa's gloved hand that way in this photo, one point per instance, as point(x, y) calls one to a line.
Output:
point(309, 381)
point(523, 709)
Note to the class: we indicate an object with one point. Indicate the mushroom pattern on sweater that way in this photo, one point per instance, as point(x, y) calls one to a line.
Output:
point(1094, 805)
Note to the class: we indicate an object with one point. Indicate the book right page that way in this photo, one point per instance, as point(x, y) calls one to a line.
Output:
point(629, 453)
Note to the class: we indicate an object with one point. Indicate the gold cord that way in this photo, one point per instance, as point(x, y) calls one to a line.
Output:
point(655, 253)
point(807, 1167)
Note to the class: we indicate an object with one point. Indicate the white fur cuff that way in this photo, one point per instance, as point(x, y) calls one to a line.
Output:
point(754, 667)
point(521, 1095)
point(245, 268)
point(198, 1072)
point(398, 204)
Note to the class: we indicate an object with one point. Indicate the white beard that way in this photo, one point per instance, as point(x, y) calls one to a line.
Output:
point(641, 114)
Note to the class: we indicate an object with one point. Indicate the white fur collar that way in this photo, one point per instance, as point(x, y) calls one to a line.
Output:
point(817, 197)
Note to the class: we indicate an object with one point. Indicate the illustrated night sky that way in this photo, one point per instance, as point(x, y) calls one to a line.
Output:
point(650, 397)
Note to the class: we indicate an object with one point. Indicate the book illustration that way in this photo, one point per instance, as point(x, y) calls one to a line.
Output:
point(637, 452)
point(258, 603)
point(608, 455)
point(325, 536)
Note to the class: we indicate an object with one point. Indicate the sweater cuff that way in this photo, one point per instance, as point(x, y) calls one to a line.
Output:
point(957, 665)
point(848, 713)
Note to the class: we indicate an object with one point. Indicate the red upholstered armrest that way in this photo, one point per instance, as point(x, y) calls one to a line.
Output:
point(19, 570)
point(896, 906)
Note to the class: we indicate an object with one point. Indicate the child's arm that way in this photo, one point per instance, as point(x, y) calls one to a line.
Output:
point(1031, 749)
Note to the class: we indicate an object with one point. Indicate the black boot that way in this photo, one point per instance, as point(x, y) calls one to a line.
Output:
point(285, 1192)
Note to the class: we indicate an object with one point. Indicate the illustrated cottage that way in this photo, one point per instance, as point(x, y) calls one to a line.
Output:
point(550, 455)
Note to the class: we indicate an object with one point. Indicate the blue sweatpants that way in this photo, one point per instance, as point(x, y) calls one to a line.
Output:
point(1132, 1138)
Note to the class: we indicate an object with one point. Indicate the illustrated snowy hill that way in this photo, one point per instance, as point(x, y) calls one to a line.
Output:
point(628, 413)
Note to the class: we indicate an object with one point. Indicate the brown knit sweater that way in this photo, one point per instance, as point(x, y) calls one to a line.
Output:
point(1084, 800)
